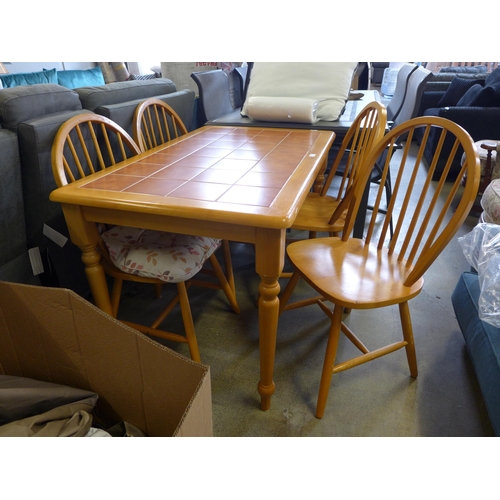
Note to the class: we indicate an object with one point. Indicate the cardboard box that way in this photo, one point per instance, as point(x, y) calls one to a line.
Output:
point(54, 335)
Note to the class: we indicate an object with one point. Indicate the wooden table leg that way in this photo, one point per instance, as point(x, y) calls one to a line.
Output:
point(84, 234)
point(270, 254)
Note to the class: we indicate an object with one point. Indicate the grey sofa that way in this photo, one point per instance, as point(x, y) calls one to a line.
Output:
point(33, 115)
point(14, 260)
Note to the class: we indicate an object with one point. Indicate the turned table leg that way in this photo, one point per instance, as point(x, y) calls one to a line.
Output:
point(270, 248)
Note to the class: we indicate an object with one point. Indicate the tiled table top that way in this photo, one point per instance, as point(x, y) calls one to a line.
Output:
point(233, 169)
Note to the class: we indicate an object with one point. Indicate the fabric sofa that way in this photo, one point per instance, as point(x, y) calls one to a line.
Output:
point(472, 100)
point(33, 115)
point(483, 343)
point(14, 260)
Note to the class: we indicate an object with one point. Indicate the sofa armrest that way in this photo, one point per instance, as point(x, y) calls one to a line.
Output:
point(429, 100)
point(182, 102)
point(479, 122)
point(119, 92)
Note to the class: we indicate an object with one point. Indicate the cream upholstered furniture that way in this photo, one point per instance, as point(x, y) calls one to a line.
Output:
point(328, 83)
point(320, 211)
point(380, 270)
point(490, 171)
point(89, 143)
point(490, 203)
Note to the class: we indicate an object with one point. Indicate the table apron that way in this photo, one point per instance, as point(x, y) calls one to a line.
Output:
point(236, 232)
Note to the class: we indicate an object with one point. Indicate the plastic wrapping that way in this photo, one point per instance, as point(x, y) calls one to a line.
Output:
point(481, 248)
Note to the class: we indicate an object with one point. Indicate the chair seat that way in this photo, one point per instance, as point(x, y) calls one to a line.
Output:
point(351, 273)
point(149, 253)
point(315, 213)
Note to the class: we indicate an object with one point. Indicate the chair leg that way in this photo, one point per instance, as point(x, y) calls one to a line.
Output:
point(187, 318)
point(330, 355)
point(287, 292)
point(404, 312)
point(115, 295)
point(158, 290)
point(228, 265)
point(228, 290)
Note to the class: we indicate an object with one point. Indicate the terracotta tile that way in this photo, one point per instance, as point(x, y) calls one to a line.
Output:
point(222, 176)
point(155, 186)
point(239, 165)
point(267, 165)
point(264, 179)
point(141, 168)
point(247, 154)
point(227, 143)
point(205, 191)
point(178, 172)
point(113, 182)
point(248, 195)
point(197, 161)
point(163, 158)
point(212, 152)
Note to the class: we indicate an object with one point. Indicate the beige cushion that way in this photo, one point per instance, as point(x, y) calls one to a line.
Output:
point(169, 257)
point(327, 83)
point(283, 109)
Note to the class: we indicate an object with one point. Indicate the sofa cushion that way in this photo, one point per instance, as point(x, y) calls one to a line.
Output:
point(16, 79)
point(482, 341)
point(118, 92)
point(328, 83)
point(458, 87)
point(464, 69)
point(75, 78)
point(477, 95)
point(493, 77)
point(23, 103)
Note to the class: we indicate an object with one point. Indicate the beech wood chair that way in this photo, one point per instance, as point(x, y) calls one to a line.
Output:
point(155, 122)
point(380, 271)
point(319, 211)
point(88, 143)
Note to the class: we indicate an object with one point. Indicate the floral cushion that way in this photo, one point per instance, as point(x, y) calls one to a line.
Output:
point(169, 257)
point(490, 201)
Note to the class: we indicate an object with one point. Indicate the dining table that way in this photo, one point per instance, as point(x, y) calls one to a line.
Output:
point(243, 184)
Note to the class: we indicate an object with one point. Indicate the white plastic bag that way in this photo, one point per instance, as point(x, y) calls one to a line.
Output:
point(481, 248)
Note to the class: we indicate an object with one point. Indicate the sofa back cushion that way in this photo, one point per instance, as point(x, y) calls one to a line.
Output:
point(458, 87)
point(327, 83)
point(74, 78)
point(23, 103)
point(479, 96)
point(115, 93)
point(16, 79)
point(493, 78)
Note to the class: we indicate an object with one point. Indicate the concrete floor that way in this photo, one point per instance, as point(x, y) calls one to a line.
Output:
point(375, 399)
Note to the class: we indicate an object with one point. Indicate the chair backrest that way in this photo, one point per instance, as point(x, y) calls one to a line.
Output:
point(394, 106)
point(424, 226)
point(366, 130)
point(413, 96)
point(155, 123)
point(213, 90)
point(86, 144)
